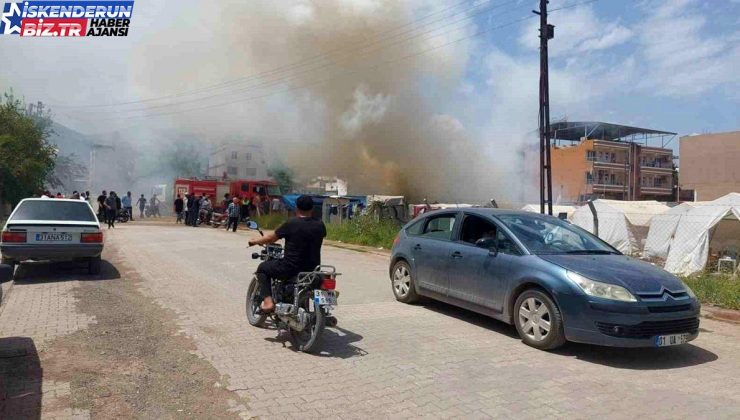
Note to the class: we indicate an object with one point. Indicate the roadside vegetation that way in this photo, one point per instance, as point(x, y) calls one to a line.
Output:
point(718, 290)
point(270, 221)
point(364, 230)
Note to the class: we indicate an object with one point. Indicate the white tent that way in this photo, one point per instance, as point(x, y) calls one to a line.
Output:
point(556, 210)
point(662, 228)
point(620, 222)
point(717, 221)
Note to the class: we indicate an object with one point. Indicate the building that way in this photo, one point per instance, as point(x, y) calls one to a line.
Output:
point(710, 164)
point(326, 185)
point(602, 160)
point(237, 161)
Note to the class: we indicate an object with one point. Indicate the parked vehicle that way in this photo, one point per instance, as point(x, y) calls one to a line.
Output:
point(52, 230)
point(123, 216)
point(215, 189)
point(219, 219)
point(554, 281)
point(302, 304)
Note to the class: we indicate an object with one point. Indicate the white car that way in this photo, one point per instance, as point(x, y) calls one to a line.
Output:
point(48, 229)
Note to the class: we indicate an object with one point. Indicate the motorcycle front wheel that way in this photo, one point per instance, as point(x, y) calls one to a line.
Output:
point(253, 305)
point(308, 339)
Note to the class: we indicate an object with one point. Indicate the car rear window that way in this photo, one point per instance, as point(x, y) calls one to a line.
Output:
point(54, 210)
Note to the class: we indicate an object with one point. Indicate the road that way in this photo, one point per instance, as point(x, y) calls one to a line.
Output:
point(385, 359)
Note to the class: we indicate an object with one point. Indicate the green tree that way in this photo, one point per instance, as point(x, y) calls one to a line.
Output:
point(26, 157)
point(284, 176)
point(185, 160)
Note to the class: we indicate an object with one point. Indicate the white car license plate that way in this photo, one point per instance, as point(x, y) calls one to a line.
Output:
point(53, 237)
point(324, 297)
point(671, 340)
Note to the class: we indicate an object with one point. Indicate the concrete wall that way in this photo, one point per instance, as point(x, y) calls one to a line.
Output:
point(569, 167)
point(710, 164)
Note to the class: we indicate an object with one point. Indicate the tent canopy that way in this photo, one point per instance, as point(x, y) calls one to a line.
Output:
point(689, 249)
point(556, 210)
point(619, 220)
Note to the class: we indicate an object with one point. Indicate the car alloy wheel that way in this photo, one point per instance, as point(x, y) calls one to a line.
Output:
point(535, 319)
point(402, 281)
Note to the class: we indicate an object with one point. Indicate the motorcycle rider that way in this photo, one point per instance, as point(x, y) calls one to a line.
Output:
point(303, 236)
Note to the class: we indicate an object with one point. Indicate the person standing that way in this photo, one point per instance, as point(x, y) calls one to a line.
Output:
point(195, 211)
point(233, 211)
point(126, 203)
point(257, 202)
point(110, 207)
point(102, 211)
point(142, 205)
point(154, 205)
point(245, 208)
point(118, 203)
point(179, 204)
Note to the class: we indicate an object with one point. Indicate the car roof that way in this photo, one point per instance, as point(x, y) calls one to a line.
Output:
point(486, 211)
point(72, 200)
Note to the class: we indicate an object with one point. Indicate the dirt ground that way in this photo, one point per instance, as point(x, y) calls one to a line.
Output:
point(132, 362)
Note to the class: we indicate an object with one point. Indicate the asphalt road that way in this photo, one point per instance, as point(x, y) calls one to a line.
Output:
point(387, 359)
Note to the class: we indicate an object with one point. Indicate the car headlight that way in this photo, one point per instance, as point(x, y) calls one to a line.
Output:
point(601, 290)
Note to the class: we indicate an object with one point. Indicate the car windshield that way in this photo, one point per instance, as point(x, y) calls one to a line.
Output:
point(273, 190)
point(549, 235)
point(54, 210)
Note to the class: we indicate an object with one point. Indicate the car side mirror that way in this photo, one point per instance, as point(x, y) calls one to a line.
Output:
point(6, 272)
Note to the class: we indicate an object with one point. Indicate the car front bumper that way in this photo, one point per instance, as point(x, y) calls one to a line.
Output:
point(21, 252)
point(622, 324)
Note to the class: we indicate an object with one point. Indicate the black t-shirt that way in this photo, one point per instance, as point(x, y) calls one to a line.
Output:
point(178, 204)
point(303, 239)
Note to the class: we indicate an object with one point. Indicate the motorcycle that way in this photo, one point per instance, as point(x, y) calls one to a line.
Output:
point(303, 304)
point(219, 219)
point(123, 216)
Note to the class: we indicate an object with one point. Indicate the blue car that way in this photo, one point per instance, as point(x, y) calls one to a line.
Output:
point(554, 281)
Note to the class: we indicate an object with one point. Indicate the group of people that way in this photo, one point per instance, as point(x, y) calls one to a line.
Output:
point(193, 208)
point(76, 195)
point(111, 206)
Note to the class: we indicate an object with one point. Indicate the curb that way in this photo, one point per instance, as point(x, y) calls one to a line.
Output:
point(5, 288)
point(720, 314)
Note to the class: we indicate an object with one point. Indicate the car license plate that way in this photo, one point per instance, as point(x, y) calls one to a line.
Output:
point(671, 340)
point(53, 237)
point(324, 297)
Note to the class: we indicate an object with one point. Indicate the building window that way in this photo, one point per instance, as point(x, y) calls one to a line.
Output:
point(589, 178)
point(250, 171)
point(248, 156)
point(231, 170)
point(590, 155)
point(233, 155)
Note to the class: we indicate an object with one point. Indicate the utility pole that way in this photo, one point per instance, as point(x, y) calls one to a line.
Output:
point(547, 32)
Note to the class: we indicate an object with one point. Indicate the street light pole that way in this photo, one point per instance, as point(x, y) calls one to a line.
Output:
point(547, 32)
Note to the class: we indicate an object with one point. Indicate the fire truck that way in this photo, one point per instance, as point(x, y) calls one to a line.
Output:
point(215, 189)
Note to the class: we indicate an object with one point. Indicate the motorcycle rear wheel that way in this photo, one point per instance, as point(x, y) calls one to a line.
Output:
point(308, 339)
point(253, 304)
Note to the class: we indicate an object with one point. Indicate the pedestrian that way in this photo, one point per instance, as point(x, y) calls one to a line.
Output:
point(154, 205)
point(142, 205)
point(126, 203)
point(110, 209)
point(88, 197)
point(257, 202)
point(59, 195)
point(195, 211)
point(226, 202)
point(233, 211)
point(179, 204)
point(118, 203)
point(75, 195)
point(245, 208)
point(102, 211)
point(186, 208)
point(276, 205)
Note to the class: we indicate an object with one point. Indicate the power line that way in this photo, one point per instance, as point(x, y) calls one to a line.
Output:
point(301, 63)
point(326, 80)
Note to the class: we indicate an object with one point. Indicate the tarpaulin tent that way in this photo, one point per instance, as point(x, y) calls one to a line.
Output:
point(714, 223)
point(621, 223)
point(556, 210)
point(663, 227)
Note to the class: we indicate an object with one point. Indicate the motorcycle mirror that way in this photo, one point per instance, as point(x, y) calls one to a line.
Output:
point(252, 225)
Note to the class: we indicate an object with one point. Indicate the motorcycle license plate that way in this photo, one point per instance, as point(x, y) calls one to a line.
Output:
point(324, 297)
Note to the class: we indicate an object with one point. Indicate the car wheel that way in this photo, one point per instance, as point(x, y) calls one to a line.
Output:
point(11, 263)
point(403, 283)
point(93, 266)
point(538, 320)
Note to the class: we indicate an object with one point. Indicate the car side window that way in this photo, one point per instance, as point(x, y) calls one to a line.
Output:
point(439, 227)
point(415, 228)
point(506, 245)
point(475, 228)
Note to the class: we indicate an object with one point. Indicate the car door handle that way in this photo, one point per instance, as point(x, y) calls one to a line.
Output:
point(417, 247)
point(457, 254)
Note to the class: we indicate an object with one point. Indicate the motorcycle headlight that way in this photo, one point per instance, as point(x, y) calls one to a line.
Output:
point(601, 290)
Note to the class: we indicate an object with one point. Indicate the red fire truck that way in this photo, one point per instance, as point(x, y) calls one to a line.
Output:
point(215, 189)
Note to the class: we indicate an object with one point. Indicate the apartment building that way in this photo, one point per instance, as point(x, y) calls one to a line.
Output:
point(602, 160)
point(237, 161)
point(710, 164)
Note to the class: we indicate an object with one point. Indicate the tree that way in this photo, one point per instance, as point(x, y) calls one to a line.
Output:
point(284, 176)
point(67, 172)
point(185, 160)
point(26, 157)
